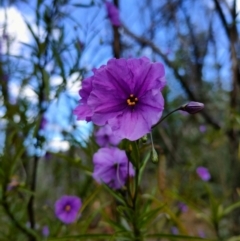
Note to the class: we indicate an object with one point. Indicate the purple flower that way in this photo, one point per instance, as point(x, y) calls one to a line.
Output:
point(201, 234)
point(67, 208)
point(125, 93)
point(174, 230)
point(113, 14)
point(203, 173)
point(45, 231)
point(111, 166)
point(192, 107)
point(182, 207)
point(104, 137)
point(202, 128)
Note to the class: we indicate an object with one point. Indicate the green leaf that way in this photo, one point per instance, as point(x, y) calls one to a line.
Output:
point(232, 207)
point(144, 163)
point(90, 198)
point(82, 236)
point(46, 82)
point(145, 218)
point(115, 194)
point(32, 32)
point(60, 64)
point(171, 236)
point(135, 151)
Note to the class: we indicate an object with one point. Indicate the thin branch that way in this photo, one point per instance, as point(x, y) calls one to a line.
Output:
point(116, 45)
point(222, 17)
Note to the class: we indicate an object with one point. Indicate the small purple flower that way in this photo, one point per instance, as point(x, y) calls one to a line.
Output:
point(104, 137)
point(202, 128)
point(182, 207)
point(113, 14)
point(111, 166)
point(201, 234)
point(174, 230)
point(203, 173)
point(67, 208)
point(192, 107)
point(126, 94)
point(45, 231)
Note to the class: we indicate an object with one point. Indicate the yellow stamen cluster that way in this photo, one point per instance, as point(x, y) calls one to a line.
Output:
point(67, 208)
point(132, 100)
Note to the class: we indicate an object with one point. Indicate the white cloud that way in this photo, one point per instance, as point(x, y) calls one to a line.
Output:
point(16, 29)
point(13, 25)
point(57, 144)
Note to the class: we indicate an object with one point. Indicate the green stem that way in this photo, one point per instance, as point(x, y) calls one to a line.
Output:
point(136, 230)
point(161, 120)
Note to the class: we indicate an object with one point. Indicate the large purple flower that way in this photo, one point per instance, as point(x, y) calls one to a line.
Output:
point(113, 14)
point(111, 166)
point(67, 208)
point(105, 137)
point(125, 94)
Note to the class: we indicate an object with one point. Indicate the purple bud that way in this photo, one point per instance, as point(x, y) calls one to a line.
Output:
point(192, 107)
point(113, 14)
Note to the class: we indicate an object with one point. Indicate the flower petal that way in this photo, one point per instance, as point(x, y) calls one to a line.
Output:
point(130, 124)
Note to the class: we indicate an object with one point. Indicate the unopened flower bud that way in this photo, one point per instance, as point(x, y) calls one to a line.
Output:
point(154, 156)
point(192, 107)
point(144, 139)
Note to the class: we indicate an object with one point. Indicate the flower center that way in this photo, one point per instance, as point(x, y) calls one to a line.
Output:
point(132, 100)
point(67, 208)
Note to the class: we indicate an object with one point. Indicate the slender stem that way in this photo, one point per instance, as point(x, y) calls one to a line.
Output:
point(151, 138)
point(33, 189)
point(134, 204)
point(161, 120)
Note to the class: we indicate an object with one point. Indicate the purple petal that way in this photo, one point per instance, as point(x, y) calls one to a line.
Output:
point(146, 75)
point(136, 126)
point(104, 136)
point(83, 111)
point(152, 105)
point(111, 167)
